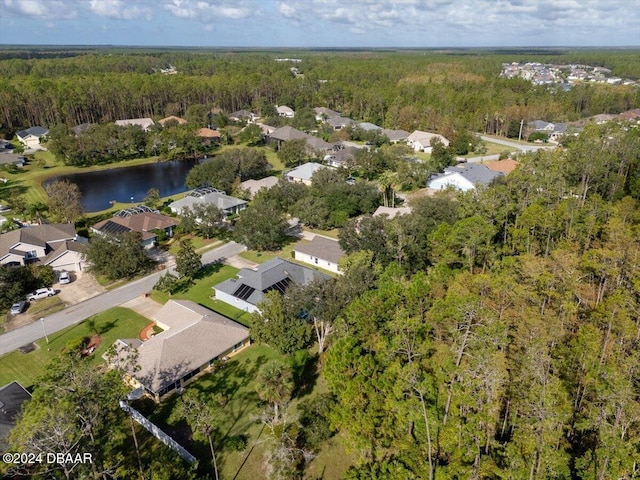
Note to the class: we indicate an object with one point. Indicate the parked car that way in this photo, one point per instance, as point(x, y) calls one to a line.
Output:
point(18, 307)
point(63, 278)
point(41, 293)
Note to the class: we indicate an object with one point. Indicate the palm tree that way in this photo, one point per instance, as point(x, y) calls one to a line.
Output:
point(274, 384)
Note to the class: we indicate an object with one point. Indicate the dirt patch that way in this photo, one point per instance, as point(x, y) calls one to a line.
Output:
point(94, 342)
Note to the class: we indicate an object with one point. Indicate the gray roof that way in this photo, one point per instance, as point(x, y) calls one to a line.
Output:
point(242, 114)
point(36, 131)
point(195, 336)
point(38, 235)
point(64, 247)
point(395, 135)
point(340, 121)
point(251, 285)
point(222, 201)
point(322, 248)
point(287, 133)
point(367, 127)
point(476, 173)
point(316, 143)
point(305, 171)
point(327, 112)
point(9, 158)
point(539, 124)
point(83, 127)
point(12, 396)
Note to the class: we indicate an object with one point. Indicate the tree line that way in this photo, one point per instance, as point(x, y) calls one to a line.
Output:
point(409, 90)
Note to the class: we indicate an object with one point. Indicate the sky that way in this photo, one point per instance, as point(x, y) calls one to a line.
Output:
point(322, 23)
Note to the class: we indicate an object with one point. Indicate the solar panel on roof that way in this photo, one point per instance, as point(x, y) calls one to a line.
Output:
point(243, 292)
point(280, 286)
point(114, 228)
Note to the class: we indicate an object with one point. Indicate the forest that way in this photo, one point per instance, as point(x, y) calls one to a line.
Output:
point(490, 334)
point(428, 90)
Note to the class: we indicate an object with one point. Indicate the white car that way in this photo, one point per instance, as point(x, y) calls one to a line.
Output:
point(41, 293)
point(64, 278)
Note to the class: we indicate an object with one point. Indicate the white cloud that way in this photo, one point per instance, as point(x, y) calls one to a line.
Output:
point(117, 9)
point(41, 8)
point(209, 10)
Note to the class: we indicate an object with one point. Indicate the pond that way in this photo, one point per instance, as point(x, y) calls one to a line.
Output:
point(129, 184)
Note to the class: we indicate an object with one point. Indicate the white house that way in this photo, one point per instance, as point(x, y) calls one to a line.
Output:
point(285, 111)
point(421, 141)
point(32, 136)
point(144, 123)
point(320, 252)
point(464, 177)
point(303, 173)
point(209, 196)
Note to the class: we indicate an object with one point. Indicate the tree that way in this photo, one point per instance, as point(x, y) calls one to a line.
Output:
point(203, 416)
point(293, 152)
point(117, 257)
point(251, 135)
point(261, 226)
point(152, 200)
point(188, 262)
point(64, 201)
point(274, 384)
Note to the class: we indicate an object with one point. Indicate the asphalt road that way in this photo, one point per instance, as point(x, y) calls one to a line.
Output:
point(77, 313)
point(517, 146)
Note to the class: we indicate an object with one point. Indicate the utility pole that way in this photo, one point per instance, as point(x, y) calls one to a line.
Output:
point(45, 330)
point(520, 134)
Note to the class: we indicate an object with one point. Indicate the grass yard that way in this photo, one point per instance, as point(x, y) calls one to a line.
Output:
point(114, 323)
point(260, 257)
point(236, 380)
point(200, 292)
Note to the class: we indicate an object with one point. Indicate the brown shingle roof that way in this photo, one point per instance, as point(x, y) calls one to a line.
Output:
point(180, 120)
point(505, 166)
point(141, 222)
point(208, 133)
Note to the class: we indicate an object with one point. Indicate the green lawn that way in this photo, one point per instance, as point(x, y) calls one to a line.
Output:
point(201, 293)
point(260, 257)
point(114, 323)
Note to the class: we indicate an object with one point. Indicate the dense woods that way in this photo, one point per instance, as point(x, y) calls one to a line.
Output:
point(429, 90)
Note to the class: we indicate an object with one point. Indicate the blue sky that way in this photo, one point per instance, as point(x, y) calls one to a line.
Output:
point(322, 23)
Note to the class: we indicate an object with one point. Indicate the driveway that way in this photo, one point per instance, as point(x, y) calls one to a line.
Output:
point(83, 286)
point(13, 340)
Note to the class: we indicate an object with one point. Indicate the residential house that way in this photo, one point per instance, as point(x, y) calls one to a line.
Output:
point(12, 396)
point(286, 134)
point(194, 338)
point(303, 173)
point(463, 177)
point(266, 129)
point(338, 123)
point(316, 144)
point(33, 244)
point(209, 196)
point(172, 118)
point(541, 126)
point(248, 290)
point(144, 222)
point(323, 113)
point(368, 127)
point(284, 111)
point(10, 158)
point(395, 136)
point(254, 186)
point(67, 256)
point(243, 116)
point(340, 158)
point(32, 136)
point(144, 123)
point(209, 135)
point(421, 141)
point(391, 212)
point(320, 252)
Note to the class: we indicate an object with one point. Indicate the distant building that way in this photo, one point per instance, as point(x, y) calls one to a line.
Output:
point(303, 173)
point(285, 111)
point(209, 196)
point(421, 141)
point(254, 186)
point(464, 177)
point(32, 137)
point(391, 212)
point(172, 118)
point(144, 123)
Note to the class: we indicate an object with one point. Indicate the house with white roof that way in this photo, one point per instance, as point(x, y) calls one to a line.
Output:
point(421, 141)
point(464, 177)
point(209, 196)
point(254, 186)
point(144, 123)
point(285, 111)
point(303, 173)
